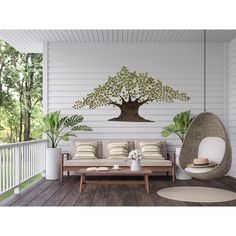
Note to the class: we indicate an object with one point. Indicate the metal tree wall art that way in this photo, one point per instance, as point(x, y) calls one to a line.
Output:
point(129, 91)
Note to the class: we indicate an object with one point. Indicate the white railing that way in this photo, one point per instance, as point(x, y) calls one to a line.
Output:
point(20, 162)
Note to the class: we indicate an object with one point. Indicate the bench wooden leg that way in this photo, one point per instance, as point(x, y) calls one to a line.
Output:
point(173, 174)
point(81, 187)
point(146, 183)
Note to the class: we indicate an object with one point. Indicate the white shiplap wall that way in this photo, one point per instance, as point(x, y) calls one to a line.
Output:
point(232, 101)
point(75, 69)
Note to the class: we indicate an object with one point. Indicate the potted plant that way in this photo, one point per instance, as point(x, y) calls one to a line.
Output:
point(59, 128)
point(135, 157)
point(180, 125)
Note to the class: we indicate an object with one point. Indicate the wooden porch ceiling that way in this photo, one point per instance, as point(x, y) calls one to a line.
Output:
point(32, 40)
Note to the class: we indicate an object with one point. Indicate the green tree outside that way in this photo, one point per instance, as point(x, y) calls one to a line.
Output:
point(20, 95)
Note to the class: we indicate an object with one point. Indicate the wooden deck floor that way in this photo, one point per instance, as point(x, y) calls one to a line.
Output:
point(56, 193)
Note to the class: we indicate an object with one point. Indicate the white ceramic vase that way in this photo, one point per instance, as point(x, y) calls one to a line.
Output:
point(135, 165)
point(180, 173)
point(53, 163)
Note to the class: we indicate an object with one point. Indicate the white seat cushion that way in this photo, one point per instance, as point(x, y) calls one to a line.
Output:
point(198, 170)
point(212, 148)
point(111, 162)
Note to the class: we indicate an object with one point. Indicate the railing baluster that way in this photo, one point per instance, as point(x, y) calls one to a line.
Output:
point(30, 166)
point(17, 170)
point(4, 170)
point(27, 162)
point(34, 160)
point(7, 168)
point(20, 162)
point(10, 167)
point(23, 163)
point(1, 171)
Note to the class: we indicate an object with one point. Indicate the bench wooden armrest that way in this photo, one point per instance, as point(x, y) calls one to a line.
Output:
point(63, 156)
point(172, 157)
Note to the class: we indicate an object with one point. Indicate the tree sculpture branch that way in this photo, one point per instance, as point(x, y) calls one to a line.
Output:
point(133, 90)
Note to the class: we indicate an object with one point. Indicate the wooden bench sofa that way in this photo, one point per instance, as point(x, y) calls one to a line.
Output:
point(68, 164)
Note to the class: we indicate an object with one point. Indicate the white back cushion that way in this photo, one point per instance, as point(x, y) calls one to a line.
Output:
point(212, 148)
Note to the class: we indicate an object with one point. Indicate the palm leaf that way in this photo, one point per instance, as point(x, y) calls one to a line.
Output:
point(168, 130)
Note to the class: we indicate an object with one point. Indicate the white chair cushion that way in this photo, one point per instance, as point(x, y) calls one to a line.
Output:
point(198, 170)
point(212, 148)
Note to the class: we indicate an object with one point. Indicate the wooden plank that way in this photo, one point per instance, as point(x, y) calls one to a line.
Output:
point(156, 185)
point(218, 183)
point(115, 195)
point(67, 193)
point(87, 196)
point(101, 196)
point(128, 195)
point(12, 199)
point(27, 198)
point(44, 196)
point(72, 197)
point(143, 199)
point(58, 196)
point(111, 182)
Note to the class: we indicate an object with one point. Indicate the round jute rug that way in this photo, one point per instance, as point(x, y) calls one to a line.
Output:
point(197, 194)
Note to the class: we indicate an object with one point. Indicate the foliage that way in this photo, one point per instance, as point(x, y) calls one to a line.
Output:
point(180, 125)
point(125, 85)
point(55, 126)
point(128, 91)
point(20, 94)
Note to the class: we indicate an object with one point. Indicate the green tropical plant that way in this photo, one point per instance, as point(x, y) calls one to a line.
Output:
point(55, 126)
point(179, 126)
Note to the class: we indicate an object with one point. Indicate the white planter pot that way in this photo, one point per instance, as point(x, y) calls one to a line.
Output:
point(135, 165)
point(180, 173)
point(53, 163)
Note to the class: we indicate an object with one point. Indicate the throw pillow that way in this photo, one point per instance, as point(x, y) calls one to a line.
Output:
point(85, 150)
point(151, 150)
point(118, 150)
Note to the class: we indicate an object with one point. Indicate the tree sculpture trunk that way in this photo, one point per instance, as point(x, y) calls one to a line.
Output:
point(130, 112)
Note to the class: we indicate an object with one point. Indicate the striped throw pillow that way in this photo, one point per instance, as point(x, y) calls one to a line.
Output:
point(151, 150)
point(85, 150)
point(118, 150)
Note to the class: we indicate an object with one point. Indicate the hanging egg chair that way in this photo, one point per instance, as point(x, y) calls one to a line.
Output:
point(206, 137)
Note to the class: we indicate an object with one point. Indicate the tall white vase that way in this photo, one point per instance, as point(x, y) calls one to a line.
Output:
point(53, 163)
point(135, 165)
point(180, 173)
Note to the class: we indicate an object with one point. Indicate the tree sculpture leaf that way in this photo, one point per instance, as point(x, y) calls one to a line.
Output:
point(128, 91)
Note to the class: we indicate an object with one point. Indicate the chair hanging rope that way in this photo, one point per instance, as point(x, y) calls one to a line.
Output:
point(204, 69)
